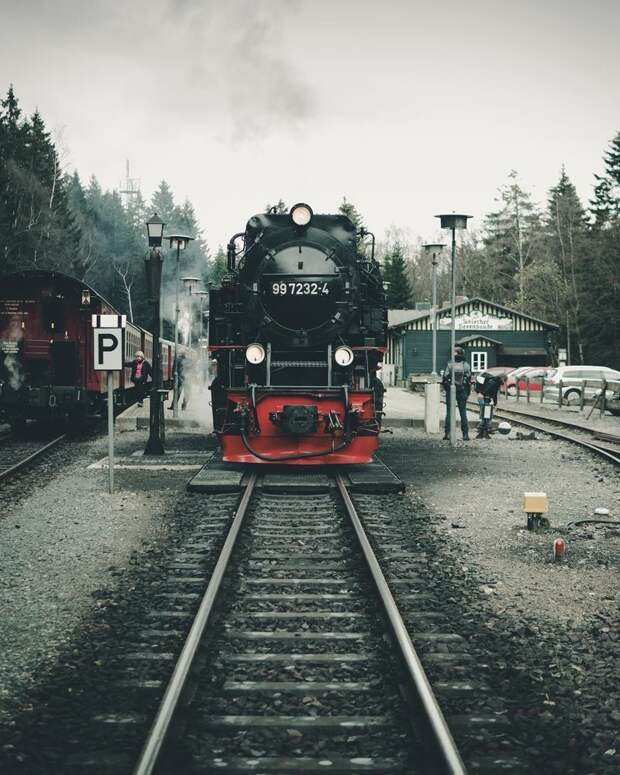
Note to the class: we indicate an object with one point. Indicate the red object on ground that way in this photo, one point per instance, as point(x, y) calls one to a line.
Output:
point(559, 549)
point(273, 443)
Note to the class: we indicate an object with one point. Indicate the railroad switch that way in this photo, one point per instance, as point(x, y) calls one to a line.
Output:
point(535, 504)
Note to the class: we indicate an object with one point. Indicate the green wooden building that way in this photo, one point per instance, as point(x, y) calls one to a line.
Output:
point(491, 335)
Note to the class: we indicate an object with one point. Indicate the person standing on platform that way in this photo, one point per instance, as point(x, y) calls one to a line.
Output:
point(141, 371)
point(487, 388)
point(184, 378)
point(462, 381)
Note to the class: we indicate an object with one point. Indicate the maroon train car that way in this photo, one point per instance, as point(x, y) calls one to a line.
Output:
point(46, 349)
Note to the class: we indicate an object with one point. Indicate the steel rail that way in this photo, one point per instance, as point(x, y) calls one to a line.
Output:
point(449, 757)
point(24, 462)
point(563, 422)
point(157, 733)
point(517, 417)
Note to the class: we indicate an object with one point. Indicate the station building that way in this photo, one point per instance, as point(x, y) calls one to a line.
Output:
point(490, 334)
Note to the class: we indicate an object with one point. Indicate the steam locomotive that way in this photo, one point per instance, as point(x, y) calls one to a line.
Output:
point(46, 350)
point(298, 330)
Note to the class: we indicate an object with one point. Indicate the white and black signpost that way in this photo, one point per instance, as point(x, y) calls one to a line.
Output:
point(109, 355)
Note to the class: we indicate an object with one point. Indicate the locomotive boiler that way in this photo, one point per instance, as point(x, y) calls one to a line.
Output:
point(298, 329)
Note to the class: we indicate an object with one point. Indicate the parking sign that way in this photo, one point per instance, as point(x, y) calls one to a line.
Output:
point(108, 349)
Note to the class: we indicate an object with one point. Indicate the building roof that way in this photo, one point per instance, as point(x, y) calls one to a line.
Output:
point(412, 314)
point(398, 316)
point(467, 339)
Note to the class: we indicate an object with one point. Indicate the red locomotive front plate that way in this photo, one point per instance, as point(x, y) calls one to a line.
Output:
point(267, 440)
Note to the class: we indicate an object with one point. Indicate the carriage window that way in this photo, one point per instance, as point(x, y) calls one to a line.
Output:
point(478, 361)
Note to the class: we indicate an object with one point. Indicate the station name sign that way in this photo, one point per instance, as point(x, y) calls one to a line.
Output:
point(477, 321)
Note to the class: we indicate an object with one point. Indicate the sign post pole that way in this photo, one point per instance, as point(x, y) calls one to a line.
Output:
point(109, 351)
point(111, 431)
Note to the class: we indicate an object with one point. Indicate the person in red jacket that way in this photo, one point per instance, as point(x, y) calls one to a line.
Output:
point(141, 371)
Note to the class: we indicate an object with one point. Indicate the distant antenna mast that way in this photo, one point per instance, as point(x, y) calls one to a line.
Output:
point(132, 186)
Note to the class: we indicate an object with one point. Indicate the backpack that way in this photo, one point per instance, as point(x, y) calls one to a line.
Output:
point(482, 382)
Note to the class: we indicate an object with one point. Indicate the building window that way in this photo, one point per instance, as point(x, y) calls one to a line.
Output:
point(478, 361)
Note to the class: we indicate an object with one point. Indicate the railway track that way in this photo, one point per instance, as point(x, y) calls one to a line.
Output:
point(601, 444)
point(286, 667)
point(17, 453)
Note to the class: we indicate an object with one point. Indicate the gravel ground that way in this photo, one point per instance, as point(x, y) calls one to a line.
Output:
point(556, 626)
point(546, 635)
point(63, 537)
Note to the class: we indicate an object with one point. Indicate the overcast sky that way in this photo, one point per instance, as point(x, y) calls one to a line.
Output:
point(407, 107)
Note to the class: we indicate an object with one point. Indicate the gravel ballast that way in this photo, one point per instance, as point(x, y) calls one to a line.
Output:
point(79, 585)
point(63, 536)
point(551, 629)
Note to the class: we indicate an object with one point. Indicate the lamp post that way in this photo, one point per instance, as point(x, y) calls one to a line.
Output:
point(189, 283)
point(453, 221)
point(153, 264)
point(180, 242)
point(434, 249)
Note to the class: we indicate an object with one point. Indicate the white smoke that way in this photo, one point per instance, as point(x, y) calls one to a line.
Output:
point(195, 397)
point(14, 371)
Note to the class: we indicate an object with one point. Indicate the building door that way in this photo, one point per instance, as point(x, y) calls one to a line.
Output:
point(479, 360)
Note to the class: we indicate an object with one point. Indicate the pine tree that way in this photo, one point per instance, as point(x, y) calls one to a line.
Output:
point(36, 228)
point(350, 210)
point(218, 267)
point(562, 251)
point(602, 203)
point(605, 204)
point(395, 272)
point(279, 208)
point(510, 238)
point(599, 290)
point(162, 203)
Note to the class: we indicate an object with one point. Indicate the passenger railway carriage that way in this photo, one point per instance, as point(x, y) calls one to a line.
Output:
point(298, 330)
point(46, 349)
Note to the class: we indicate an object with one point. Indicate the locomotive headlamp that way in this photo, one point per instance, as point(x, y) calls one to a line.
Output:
point(344, 356)
point(301, 214)
point(255, 353)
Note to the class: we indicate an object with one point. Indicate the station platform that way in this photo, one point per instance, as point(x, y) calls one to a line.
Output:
point(196, 417)
point(403, 408)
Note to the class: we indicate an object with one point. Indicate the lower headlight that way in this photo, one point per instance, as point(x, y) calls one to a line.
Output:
point(255, 353)
point(344, 356)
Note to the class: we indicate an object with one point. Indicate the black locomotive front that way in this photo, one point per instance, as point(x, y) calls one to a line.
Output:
point(302, 308)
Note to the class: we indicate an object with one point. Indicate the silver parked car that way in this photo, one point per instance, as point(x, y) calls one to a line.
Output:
point(573, 377)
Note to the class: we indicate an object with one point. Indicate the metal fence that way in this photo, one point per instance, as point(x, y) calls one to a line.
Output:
point(588, 393)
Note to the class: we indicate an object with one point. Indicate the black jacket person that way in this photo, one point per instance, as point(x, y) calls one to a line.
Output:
point(462, 382)
point(487, 388)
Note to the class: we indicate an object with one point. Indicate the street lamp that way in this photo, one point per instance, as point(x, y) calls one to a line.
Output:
point(434, 249)
point(453, 221)
point(153, 265)
point(180, 242)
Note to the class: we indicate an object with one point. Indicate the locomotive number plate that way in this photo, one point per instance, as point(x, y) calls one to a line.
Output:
point(300, 289)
